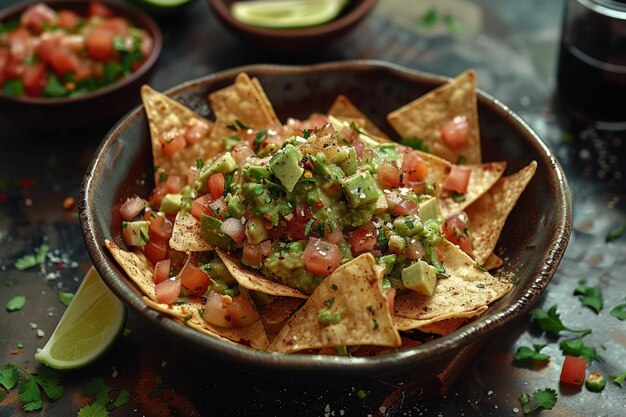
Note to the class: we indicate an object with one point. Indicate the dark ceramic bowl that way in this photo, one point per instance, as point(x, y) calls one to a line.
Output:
point(107, 103)
point(542, 217)
point(300, 40)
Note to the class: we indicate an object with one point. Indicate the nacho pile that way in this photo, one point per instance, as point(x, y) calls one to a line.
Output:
point(324, 235)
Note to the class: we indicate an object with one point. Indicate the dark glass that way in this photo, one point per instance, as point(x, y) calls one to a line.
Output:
point(592, 59)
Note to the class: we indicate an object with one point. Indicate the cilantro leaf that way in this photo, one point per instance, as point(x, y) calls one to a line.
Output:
point(429, 18)
point(615, 233)
point(49, 380)
point(30, 395)
point(525, 353)
point(158, 388)
point(65, 297)
point(414, 143)
point(123, 398)
point(543, 398)
point(28, 261)
point(2, 395)
point(93, 410)
point(8, 376)
point(619, 380)
point(619, 311)
point(457, 197)
point(97, 388)
point(16, 303)
point(576, 347)
point(550, 322)
point(589, 296)
point(307, 228)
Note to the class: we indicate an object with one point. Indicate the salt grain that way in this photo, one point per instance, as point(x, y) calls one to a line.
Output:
point(40, 333)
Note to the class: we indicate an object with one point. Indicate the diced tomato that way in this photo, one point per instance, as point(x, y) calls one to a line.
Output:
point(64, 61)
point(176, 144)
point(242, 311)
point(20, 44)
point(117, 25)
point(388, 175)
point(68, 19)
point(414, 249)
point(194, 278)
point(196, 130)
point(363, 239)
point(98, 9)
point(279, 232)
point(99, 43)
point(391, 298)
point(132, 207)
point(359, 148)
point(162, 270)
point(160, 226)
point(455, 132)
point(215, 311)
point(406, 206)
point(218, 207)
point(168, 291)
point(146, 47)
point(321, 257)
point(38, 15)
point(192, 175)
point(334, 236)
point(200, 206)
point(414, 167)
point(155, 250)
point(297, 226)
point(173, 184)
point(458, 179)
point(35, 78)
point(573, 370)
point(241, 152)
point(266, 247)
point(157, 194)
point(455, 230)
point(84, 71)
point(46, 48)
point(216, 185)
point(251, 254)
point(4, 59)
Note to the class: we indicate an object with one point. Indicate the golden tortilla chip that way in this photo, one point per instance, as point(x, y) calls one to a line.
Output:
point(136, 266)
point(493, 262)
point(253, 280)
point(468, 288)
point(437, 324)
point(353, 294)
point(167, 115)
point(483, 177)
point(488, 214)
point(423, 118)
point(342, 108)
point(186, 236)
point(245, 102)
point(252, 335)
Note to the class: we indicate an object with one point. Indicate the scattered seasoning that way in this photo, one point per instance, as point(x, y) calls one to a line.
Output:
point(16, 303)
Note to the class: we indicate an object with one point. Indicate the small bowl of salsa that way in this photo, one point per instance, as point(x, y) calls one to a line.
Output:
point(73, 63)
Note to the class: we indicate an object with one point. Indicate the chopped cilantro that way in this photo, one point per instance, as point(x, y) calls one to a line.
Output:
point(381, 239)
point(199, 163)
point(429, 18)
point(361, 394)
point(461, 160)
point(375, 324)
point(543, 398)
point(93, 410)
point(457, 197)
point(241, 125)
point(30, 388)
point(589, 296)
point(329, 303)
point(16, 303)
point(524, 353)
point(54, 88)
point(163, 177)
point(550, 322)
point(13, 88)
point(615, 233)
point(327, 318)
point(307, 228)
point(567, 137)
point(619, 311)
point(414, 143)
point(451, 23)
point(65, 297)
point(102, 400)
point(158, 388)
point(334, 287)
point(28, 261)
point(119, 44)
point(8, 376)
point(576, 347)
point(180, 301)
point(619, 380)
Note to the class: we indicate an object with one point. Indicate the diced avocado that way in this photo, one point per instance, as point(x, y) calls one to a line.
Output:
point(224, 164)
point(256, 173)
point(261, 299)
point(407, 226)
point(171, 203)
point(230, 142)
point(136, 233)
point(218, 272)
point(325, 170)
point(420, 277)
point(388, 261)
point(210, 231)
point(342, 153)
point(236, 207)
point(368, 140)
point(381, 205)
point(255, 231)
point(428, 209)
point(350, 164)
point(396, 244)
point(360, 189)
point(285, 166)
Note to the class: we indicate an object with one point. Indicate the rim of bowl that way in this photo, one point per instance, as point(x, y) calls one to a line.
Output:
point(138, 17)
point(351, 367)
point(345, 20)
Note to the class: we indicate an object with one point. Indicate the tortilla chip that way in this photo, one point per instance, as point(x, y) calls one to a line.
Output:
point(493, 262)
point(342, 108)
point(186, 236)
point(423, 118)
point(253, 280)
point(164, 114)
point(280, 309)
point(252, 335)
point(436, 325)
point(244, 101)
point(488, 214)
point(468, 288)
point(483, 177)
point(136, 266)
point(355, 290)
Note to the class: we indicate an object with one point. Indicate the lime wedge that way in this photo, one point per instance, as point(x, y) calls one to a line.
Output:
point(282, 14)
point(89, 326)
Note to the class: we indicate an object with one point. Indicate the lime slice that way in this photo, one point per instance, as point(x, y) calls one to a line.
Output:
point(282, 14)
point(89, 326)
point(161, 6)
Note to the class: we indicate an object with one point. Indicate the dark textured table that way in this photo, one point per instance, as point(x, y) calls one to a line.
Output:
point(513, 47)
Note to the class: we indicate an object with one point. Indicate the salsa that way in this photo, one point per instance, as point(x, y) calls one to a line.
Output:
point(59, 53)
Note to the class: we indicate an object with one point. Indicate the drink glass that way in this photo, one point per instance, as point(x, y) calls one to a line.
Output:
point(591, 72)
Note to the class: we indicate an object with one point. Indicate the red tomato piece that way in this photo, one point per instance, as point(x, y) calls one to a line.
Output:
point(157, 194)
point(155, 250)
point(334, 236)
point(132, 207)
point(573, 370)
point(68, 19)
point(216, 184)
point(117, 25)
point(241, 152)
point(35, 78)
point(215, 311)
point(168, 291)
point(192, 175)
point(172, 147)
point(46, 48)
point(99, 43)
point(321, 257)
point(218, 207)
point(405, 207)
point(388, 175)
point(38, 15)
point(64, 61)
point(242, 311)
point(252, 255)
point(458, 179)
point(455, 132)
point(194, 278)
point(455, 230)
point(363, 239)
point(414, 167)
point(414, 249)
point(391, 298)
point(160, 226)
point(4, 59)
point(98, 9)
point(196, 130)
point(162, 270)
point(20, 44)
point(200, 206)
point(173, 184)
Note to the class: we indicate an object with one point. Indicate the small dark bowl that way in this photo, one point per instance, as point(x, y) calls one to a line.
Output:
point(294, 40)
point(376, 88)
point(103, 104)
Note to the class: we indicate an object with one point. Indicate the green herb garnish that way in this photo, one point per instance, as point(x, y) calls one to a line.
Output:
point(589, 296)
point(543, 398)
point(550, 322)
point(576, 347)
point(28, 261)
point(16, 303)
point(525, 353)
point(615, 233)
